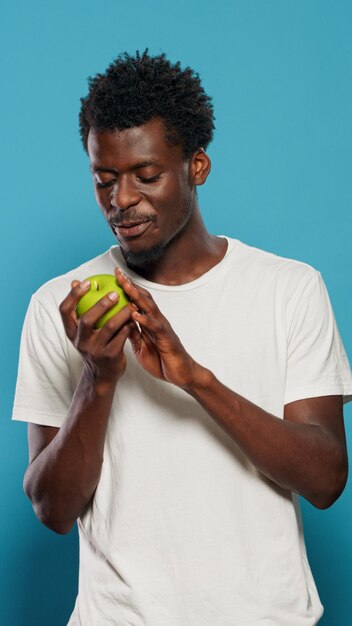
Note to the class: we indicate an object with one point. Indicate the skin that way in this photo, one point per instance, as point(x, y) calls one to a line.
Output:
point(305, 452)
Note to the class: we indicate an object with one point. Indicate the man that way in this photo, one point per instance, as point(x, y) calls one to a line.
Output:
point(180, 433)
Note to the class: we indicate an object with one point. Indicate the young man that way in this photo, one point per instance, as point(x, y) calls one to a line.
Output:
point(180, 433)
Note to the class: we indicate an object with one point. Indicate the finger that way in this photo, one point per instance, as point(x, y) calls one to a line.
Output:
point(68, 306)
point(135, 337)
point(114, 325)
point(150, 324)
point(156, 331)
point(115, 346)
point(138, 295)
point(87, 322)
point(78, 289)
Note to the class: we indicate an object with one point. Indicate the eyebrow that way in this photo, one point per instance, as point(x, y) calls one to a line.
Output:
point(101, 169)
point(137, 166)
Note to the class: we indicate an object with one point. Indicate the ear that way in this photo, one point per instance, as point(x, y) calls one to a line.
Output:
point(200, 166)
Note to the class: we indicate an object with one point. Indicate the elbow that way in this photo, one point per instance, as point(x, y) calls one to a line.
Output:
point(59, 527)
point(44, 514)
point(333, 489)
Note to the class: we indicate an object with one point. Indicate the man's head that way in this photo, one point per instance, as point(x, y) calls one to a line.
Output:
point(145, 125)
point(135, 89)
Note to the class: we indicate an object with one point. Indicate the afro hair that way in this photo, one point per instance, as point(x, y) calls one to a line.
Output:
point(135, 89)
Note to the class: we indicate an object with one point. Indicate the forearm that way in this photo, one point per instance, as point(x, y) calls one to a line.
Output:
point(303, 458)
point(62, 479)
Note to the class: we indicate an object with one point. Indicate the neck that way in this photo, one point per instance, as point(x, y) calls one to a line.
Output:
point(190, 254)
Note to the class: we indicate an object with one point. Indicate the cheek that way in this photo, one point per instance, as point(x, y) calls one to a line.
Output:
point(102, 200)
point(175, 194)
point(97, 196)
point(176, 213)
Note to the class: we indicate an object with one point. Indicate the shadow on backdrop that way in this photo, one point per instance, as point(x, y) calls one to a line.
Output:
point(46, 588)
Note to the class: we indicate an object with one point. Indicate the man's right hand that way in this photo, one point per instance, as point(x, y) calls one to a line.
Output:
point(102, 349)
point(65, 465)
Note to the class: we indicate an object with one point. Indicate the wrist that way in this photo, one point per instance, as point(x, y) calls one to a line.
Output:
point(95, 379)
point(200, 381)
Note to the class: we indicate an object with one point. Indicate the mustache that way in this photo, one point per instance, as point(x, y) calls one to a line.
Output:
point(132, 216)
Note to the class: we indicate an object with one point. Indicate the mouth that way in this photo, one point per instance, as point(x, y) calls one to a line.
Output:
point(127, 230)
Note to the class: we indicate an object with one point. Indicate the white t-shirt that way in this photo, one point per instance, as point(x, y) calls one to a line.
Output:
point(183, 530)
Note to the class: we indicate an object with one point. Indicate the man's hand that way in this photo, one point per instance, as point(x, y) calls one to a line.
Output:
point(155, 344)
point(66, 463)
point(102, 349)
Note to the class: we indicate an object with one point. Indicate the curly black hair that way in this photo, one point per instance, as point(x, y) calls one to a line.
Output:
point(135, 89)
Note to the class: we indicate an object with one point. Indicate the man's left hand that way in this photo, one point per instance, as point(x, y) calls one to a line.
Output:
point(155, 344)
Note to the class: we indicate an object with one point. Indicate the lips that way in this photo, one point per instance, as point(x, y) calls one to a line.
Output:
point(131, 229)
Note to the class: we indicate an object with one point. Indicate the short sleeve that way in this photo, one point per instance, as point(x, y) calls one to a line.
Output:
point(317, 364)
point(44, 388)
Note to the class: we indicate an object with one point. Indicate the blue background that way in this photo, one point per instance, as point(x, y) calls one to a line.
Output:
point(280, 76)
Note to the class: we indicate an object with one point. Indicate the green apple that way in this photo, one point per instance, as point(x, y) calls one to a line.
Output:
point(100, 286)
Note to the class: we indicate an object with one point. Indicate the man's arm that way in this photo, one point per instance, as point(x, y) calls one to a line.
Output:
point(305, 452)
point(65, 463)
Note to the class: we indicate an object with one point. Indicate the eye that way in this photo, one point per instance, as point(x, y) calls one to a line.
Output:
point(147, 181)
point(104, 185)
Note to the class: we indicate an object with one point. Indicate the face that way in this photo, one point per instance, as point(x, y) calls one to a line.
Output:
point(145, 188)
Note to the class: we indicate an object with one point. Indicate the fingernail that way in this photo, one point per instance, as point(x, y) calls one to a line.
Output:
point(86, 283)
point(113, 296)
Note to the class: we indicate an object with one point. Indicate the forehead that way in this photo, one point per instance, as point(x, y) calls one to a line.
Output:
point(121, 148)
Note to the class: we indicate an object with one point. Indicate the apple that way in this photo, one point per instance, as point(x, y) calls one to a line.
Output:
point(100, 286)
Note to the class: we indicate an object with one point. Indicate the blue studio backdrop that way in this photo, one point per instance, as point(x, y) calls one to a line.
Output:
point(279, 72)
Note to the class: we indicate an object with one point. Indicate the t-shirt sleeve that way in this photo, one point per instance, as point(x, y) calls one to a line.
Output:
point(317, 364)
point(44, 388)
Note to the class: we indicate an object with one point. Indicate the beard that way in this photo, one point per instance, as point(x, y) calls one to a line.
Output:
point(143, 258)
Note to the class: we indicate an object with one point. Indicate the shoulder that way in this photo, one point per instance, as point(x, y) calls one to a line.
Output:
point(268, 269)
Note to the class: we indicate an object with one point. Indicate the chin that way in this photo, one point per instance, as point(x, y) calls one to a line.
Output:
point(143, 258)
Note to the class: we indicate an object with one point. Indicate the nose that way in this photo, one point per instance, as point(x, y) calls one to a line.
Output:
point(124, 195)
